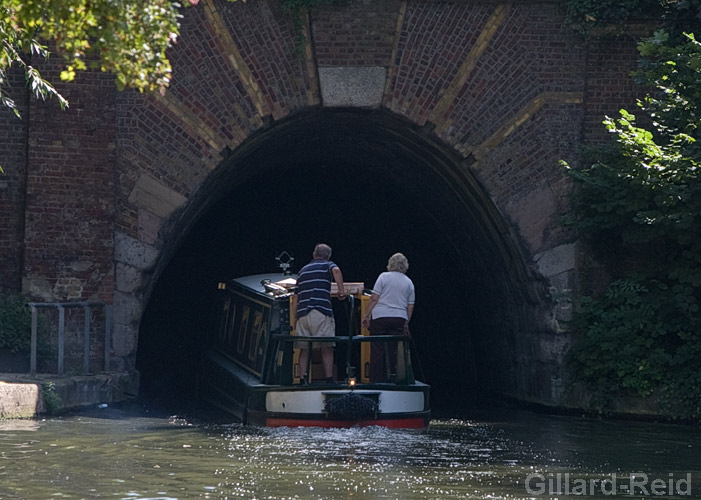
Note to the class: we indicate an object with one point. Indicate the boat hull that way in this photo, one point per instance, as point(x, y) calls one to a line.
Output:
point(419, 422)
point(237, 392)
point(335, 405)
point(250, 367)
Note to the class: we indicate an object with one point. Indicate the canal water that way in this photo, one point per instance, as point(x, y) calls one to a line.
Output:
point(132, 452)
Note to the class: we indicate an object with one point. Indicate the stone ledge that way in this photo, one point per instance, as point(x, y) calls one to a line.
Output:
point(25, 396)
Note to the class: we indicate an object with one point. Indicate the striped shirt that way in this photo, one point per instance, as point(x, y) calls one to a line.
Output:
point(314, 287)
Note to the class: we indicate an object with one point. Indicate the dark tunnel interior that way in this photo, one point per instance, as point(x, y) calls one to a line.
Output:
point(369, 185)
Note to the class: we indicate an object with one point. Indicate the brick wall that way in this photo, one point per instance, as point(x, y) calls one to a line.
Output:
point(609, 62)
point(70, 193)
point(505, 86)
point(358, 34)
point(13, 151)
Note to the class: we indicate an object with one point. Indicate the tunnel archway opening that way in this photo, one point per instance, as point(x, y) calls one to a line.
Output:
point(369, 184)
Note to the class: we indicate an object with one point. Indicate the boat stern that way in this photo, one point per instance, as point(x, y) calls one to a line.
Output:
point(328, 406)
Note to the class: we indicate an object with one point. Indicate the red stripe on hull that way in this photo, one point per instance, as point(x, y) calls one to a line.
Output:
point(393, 423)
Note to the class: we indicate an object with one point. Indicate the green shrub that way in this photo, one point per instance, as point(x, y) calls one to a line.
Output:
point(16, 328)
point(641, 337)
point(52, 400)
point(638, 208)
point(15, 324)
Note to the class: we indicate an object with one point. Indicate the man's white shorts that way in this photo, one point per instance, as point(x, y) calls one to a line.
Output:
point(315, 324)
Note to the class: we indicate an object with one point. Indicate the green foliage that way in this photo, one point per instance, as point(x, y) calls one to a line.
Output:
point(297, 5)
point(126, 37)
point(16, 328)
point(16, 42)
point(296, 9)
point(15, 324)
point(52, 401)
point(583, 15)
point(639, 207)
point(641, 337)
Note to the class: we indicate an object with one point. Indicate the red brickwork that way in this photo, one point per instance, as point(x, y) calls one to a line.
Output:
point(609, 64)
point(360, 33)
point(531, 54)
point(209, 78)
point(153, 142)
point(13, 151)
point(266, 39)
point(224, 87)
point(433, 42)
point(70, 194)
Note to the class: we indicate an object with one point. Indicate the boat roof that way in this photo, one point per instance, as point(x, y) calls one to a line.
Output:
point(253, 281)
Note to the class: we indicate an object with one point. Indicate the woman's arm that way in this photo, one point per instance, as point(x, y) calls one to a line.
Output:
point(374, 298)
point(409, 312)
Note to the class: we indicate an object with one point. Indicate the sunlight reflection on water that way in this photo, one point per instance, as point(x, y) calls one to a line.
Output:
point(129, 454)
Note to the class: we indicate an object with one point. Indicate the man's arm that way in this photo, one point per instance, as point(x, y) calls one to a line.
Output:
point(293, 311)
point(338, 277)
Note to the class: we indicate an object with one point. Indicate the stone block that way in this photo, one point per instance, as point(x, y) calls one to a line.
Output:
point(533, 214)
point(134, 252)
point(20, 400)
point(124, 340)
point(356, 87)
point(556, 260)
point(155, 197)
point(148, 225)
point(128, 278)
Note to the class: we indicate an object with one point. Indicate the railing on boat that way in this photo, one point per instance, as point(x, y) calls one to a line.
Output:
point(404, 374)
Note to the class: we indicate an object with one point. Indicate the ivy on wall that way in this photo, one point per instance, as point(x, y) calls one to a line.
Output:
point(638, 206)
point(297, 8)
point(584, 15)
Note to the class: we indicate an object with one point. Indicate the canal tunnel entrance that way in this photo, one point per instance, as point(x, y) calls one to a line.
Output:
point(369, 184)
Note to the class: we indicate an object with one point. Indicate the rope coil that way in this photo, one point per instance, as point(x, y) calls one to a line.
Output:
point(351, 406)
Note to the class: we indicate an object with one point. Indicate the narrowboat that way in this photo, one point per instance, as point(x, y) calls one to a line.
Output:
point(251, 368)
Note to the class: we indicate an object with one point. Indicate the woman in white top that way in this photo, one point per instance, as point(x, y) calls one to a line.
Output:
point(389, 312)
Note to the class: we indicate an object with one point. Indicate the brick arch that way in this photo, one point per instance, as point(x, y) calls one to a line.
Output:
point(497, 87)
point(494, 309)
point(480, 98)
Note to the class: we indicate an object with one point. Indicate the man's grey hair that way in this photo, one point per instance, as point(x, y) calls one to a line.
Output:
point(322, 251)
point(398, 262)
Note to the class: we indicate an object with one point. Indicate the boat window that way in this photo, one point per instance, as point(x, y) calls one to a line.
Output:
point(255, 334)
point(243, 328)
point(224, 323)
point(229, 340)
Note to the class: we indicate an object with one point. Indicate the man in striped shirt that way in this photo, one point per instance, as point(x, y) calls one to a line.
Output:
point(312, 302)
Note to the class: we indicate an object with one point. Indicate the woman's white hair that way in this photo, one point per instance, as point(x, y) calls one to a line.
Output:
point(398, 262)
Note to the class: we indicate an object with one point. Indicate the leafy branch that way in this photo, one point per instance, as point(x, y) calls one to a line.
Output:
point(638, 206)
